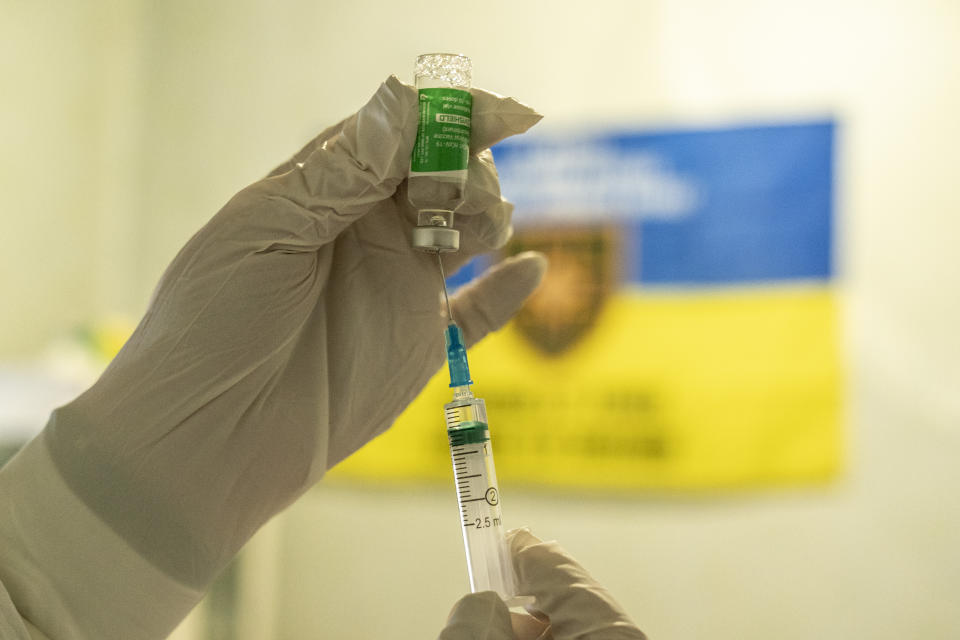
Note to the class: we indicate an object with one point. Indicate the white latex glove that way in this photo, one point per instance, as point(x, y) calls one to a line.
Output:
point(569, 604)
point(289, 331)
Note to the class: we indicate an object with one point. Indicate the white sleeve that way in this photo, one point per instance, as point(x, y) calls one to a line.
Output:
point(66, 572)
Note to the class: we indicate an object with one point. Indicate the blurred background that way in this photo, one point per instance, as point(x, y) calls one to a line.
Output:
point(822, 504)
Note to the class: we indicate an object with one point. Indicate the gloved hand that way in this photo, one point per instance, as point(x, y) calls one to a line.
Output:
point(290, 330)
point(569, 602)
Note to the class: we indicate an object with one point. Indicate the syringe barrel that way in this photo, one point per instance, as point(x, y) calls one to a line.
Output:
point(438, 164)
point(488, 560)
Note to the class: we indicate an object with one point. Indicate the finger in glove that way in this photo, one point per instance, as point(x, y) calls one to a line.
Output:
point(577, 605)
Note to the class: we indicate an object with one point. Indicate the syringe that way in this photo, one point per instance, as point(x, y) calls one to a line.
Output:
point(488, 560)
point(436, 188)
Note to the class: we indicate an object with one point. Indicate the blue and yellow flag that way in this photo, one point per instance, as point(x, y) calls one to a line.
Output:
point(686, 334)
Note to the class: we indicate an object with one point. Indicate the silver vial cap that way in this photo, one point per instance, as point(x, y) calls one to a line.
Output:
point(434, 231)
point(436, 239)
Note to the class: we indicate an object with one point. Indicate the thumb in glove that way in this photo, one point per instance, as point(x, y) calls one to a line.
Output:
point(488, 302)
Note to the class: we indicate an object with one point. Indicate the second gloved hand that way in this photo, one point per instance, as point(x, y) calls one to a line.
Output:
point(569, 603)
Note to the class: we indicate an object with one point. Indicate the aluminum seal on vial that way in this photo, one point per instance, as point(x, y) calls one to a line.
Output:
point(434, 231)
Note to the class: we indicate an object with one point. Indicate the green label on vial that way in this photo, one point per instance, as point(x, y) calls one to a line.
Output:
point(468, 433)
point(443, 134)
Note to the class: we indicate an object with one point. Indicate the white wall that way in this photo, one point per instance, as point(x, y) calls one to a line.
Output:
point(131, 123)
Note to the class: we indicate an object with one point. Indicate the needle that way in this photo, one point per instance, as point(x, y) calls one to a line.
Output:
point(446, 298)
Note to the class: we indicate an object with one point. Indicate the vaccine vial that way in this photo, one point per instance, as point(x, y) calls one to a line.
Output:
point(438, 165)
